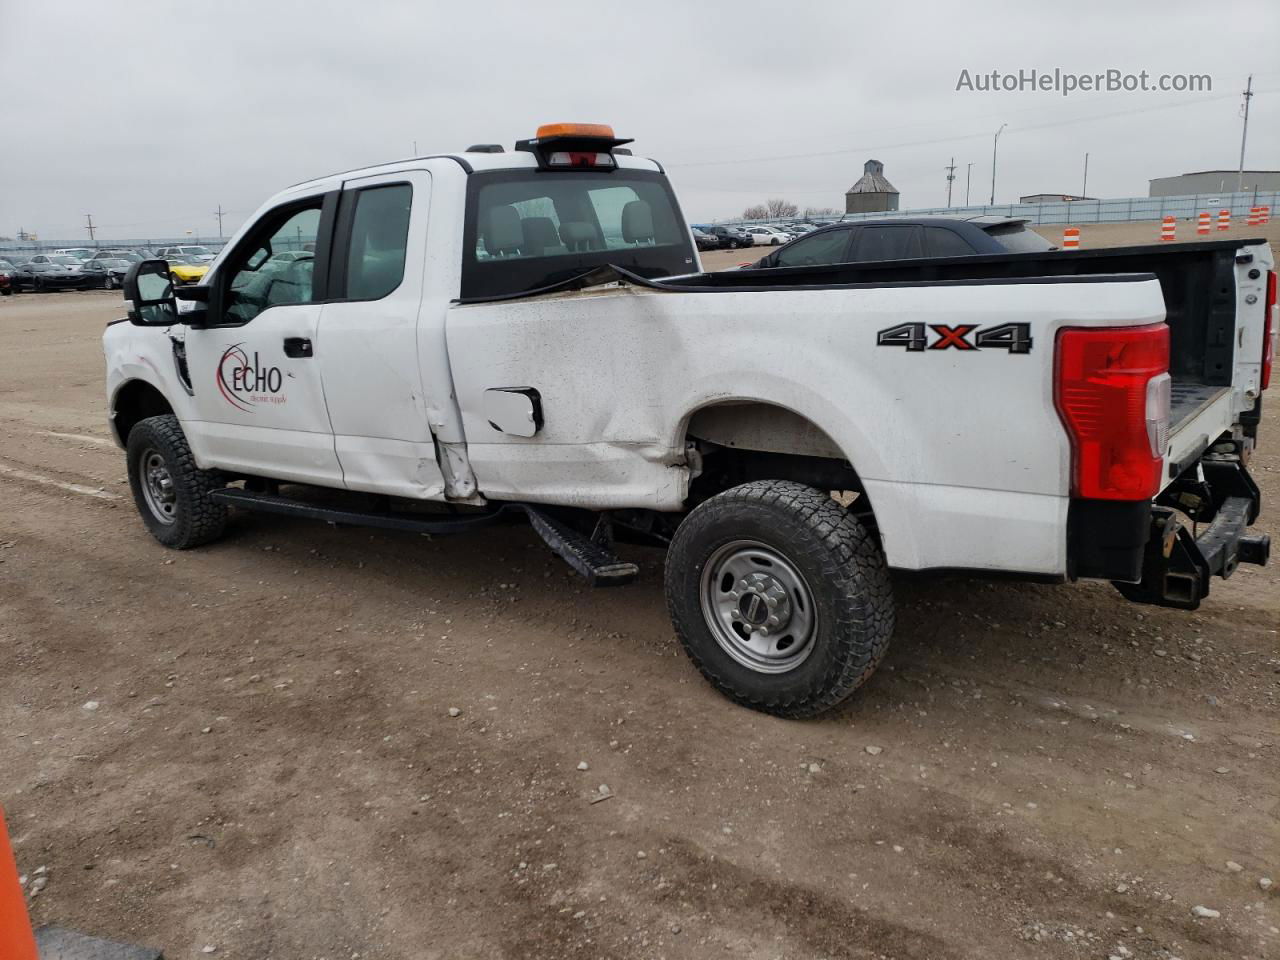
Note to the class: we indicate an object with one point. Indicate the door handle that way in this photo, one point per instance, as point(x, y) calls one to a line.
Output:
point(298, 347)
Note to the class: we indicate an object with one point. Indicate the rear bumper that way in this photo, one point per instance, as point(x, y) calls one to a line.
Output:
point(1177, 566)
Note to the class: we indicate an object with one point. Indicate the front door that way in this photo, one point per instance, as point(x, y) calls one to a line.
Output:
point(259, 401)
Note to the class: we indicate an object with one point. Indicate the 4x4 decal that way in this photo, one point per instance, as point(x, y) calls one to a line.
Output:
point(1013, 337)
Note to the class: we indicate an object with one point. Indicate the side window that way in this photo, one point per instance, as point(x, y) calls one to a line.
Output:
point(826, 247)
point(889, 243)
point(257, 279)
point(941, 242)
point(379, 237)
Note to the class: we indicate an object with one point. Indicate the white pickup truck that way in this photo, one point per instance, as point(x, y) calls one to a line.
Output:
point(454, 341)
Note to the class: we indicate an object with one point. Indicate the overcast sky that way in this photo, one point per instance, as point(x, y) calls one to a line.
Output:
point(150, 114)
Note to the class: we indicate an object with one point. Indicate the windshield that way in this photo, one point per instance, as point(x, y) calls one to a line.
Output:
point(183, 259)
point(196, 251)
point(66, 261)
point(115, 262)
point(528, 229)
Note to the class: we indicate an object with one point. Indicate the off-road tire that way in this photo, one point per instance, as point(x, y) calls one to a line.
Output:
point(842, 565)
point(198, 519)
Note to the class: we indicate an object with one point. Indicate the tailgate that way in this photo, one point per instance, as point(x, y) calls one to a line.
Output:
point(1217, 315)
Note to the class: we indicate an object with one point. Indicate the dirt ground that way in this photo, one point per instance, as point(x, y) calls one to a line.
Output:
point(248, 749)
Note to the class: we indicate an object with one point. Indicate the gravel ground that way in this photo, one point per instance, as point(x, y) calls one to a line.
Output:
point(305, 742)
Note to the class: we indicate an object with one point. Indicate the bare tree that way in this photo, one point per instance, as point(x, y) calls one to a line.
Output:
point(781, 208)
point(772, 209)
point(820, 211)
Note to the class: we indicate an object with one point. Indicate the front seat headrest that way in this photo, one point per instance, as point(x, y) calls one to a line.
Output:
point(578, 235)
point(637, 222)
point(539, 234)
point(503, 235)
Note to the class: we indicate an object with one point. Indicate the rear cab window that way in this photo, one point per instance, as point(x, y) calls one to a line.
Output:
point(528, 229)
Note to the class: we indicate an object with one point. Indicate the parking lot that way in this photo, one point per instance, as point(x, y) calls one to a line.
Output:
point(252, 747)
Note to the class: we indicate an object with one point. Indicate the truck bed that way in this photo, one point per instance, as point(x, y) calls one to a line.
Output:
point(1196, 279)
point(1189, 399)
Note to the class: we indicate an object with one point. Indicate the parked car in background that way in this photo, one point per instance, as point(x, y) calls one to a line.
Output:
point(107, 273)
point(184, 268)
point(766, 236)
point(129, 255)
point(704, 240)
point(729, 238)
point(201, 254)
point(46, 271)
point(7, 271)
point(907, 238)
point(80, 253)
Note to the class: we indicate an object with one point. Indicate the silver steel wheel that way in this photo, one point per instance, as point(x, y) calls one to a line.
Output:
point(157, 486)
point(758, 607)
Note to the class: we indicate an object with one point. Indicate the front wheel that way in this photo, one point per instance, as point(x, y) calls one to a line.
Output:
point(170, 491)
point(780, 597)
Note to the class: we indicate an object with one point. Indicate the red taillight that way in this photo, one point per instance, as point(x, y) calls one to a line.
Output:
point(1268, 331)
point(1112, 392)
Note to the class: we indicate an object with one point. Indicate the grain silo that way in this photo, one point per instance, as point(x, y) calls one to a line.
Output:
point(872, 192)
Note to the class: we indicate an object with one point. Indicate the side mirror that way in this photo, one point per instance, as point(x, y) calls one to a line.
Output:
point(149, 288)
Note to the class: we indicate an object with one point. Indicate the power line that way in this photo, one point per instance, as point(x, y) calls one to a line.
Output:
point(951, 175)
point(89, 219)
point(218, 214)
point(952, 139)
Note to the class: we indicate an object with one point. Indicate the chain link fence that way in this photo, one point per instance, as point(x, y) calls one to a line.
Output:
point(1123, 210)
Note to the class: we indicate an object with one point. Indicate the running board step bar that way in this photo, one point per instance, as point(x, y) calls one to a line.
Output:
point(592, 560)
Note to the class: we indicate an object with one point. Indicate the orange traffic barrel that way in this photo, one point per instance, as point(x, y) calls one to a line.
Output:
point(1071, 238)
point(1255, 216)
point(1224, 219)
point(16, 941)
point(1205, 223)
point(1266, 212)
point(1167, 228)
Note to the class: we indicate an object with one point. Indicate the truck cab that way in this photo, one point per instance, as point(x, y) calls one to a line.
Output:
point(447, 341)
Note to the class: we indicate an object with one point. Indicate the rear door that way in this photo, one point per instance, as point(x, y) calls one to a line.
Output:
point(368, 346)
point(888, 242)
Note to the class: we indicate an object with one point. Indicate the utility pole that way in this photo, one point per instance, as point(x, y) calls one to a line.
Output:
point(968, 175)
point(951, 175)
point(89, 219)
point(1084, 186)
point(218, 213)
point(1248, 95)
point(995, 146)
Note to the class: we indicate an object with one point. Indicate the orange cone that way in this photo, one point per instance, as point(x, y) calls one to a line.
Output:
point(1071, 238)
point(16, 942)
point(1167, 228)
point(1224, 219)
point(1203, 226)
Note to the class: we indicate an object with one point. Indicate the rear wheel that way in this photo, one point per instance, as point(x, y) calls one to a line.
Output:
point(169, 490)
point(780, 597)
